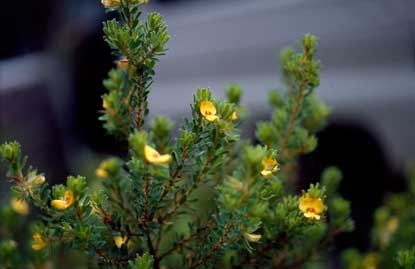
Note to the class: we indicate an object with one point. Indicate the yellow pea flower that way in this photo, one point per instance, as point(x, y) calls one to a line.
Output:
point(312, 207)
point(20, 206)
point(153, 156)
point(110, 3)
point(208, 111)
point(252, 237)
point(269, 166)
point(65, 203)
point(120, 240)
point(234, 116)
point(39, 243)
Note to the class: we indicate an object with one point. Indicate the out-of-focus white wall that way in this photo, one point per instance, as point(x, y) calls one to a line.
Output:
point(367, 50)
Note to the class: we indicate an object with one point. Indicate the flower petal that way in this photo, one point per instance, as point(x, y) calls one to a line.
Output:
point(252, 237)
point(59, 204)
point(207, 108)
point(266, 173)
point(153, 156)
point(120, 240)
point(211, 118)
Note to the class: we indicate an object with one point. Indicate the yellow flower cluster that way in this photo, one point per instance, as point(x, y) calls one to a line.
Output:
point(66, 202)
point(312, 207)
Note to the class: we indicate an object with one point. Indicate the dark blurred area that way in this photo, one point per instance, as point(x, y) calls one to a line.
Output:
point(53, 60)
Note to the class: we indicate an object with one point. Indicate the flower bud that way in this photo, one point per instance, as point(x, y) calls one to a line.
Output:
point(234, 93)
point(110, 3)
point(138, 140)
point(10, 151)
point(108, 168)
point(252, 237)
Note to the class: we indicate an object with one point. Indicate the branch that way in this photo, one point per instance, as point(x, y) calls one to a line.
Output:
point(198, 178)
point(214, 249)
point(182, 242)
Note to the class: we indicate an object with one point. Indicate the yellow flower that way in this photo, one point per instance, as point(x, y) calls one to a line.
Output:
point(120, 240)
point(20, 206)
point(208, 111)
point(110, 3)
point(153, 156)
point(39, 243)
point(65, 203)
point(269, 166)
point(312, 207)
point(252, 237)
point(122, 63)
point(101, 173)
point(105, 104)
point(234, 116)
point(143, 2)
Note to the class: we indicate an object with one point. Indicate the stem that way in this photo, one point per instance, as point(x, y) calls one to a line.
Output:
point(147, 193)
point(139, 121)
point(182, 242)
point(178, 168)
point(293, 118)
point(214, 249)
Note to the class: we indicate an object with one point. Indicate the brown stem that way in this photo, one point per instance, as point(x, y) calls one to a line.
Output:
point(182, 242)
point(139, 117)
point(301, 260)
point(291, 124)
point(214, 249)
point(178, 169)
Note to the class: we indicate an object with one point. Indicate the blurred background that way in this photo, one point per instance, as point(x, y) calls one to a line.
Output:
point(53, 60)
